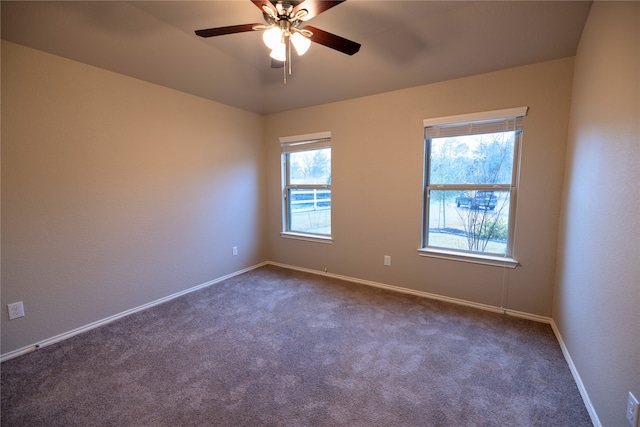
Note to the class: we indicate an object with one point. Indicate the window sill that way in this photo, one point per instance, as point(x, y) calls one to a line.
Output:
point(307, 237)
point(496, 261)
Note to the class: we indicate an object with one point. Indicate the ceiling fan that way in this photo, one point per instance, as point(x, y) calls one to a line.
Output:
point(283, 19)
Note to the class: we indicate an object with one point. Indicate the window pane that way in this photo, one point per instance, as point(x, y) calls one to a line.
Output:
point(475, 221)
point(472, 159)
point(310, 211)
point(310, 167)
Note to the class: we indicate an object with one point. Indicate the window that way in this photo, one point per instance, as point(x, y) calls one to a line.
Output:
point(306, 183)
point(470, 189)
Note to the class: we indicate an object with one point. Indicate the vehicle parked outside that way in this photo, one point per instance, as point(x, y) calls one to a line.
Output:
point(477, 199)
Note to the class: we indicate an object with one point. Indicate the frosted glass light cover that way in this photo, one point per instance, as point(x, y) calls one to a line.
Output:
point(279, 53)
point(272, 37)
point(301, 43)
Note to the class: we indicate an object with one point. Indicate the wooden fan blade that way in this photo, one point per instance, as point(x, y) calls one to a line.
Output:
point(260, 3)
point(315, 7)
point(331, 40)
point(221, 31)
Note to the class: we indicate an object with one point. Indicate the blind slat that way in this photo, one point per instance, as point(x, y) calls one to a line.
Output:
point(474, 128)
point(510, 119)
point(307, 142)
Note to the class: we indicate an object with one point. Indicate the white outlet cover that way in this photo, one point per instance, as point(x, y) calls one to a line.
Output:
point(632, 410)
point(16, 310)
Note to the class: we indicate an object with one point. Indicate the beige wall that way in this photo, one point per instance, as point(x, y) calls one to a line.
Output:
point(116, 193)
point(597, 299)
point(377, 185)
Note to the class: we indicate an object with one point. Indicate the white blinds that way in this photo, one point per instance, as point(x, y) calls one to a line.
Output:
point(476, 123)
point(312, 141)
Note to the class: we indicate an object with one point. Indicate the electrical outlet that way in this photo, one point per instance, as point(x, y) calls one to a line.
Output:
point(234, 251)
point(632, 410)
point(387, 260)
point(16, 310)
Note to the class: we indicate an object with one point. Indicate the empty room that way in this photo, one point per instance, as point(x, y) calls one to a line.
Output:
point(320, 213)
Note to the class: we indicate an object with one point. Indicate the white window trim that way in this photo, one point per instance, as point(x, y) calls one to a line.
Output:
point(307, 137)
point(311, 141)
point(472, 257)
point(506, 113)
point(308, 237)
point(459, 255)
point(289, 144)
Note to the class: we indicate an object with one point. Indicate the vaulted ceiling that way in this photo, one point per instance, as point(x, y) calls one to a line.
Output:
point(404, 44)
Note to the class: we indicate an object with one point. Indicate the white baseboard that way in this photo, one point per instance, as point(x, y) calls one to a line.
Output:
point(495, 309)
point(457, 301)
point(574, 372)
point(65, 335)
point(576, 376)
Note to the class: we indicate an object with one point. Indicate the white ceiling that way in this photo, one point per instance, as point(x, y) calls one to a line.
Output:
point(404, 44)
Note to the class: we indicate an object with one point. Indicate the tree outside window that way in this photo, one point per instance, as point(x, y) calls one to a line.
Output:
point(470, 186)
point(309, 192)
point(306, 165)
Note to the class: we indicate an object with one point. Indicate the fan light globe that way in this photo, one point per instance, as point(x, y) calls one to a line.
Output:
point(300, 42)
point(272, 37)
point(279, 53)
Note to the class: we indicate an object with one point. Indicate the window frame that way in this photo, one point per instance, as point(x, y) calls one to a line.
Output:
point(297, 144)
point(455, 124)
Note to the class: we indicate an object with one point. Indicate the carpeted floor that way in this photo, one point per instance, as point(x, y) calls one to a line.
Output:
point(277, 347)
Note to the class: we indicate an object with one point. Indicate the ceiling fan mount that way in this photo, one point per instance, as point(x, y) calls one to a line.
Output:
point(284, 12)
point(282, 29)
point(284, 18)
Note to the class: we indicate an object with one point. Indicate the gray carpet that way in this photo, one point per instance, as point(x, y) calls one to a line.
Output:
point(276, 347)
